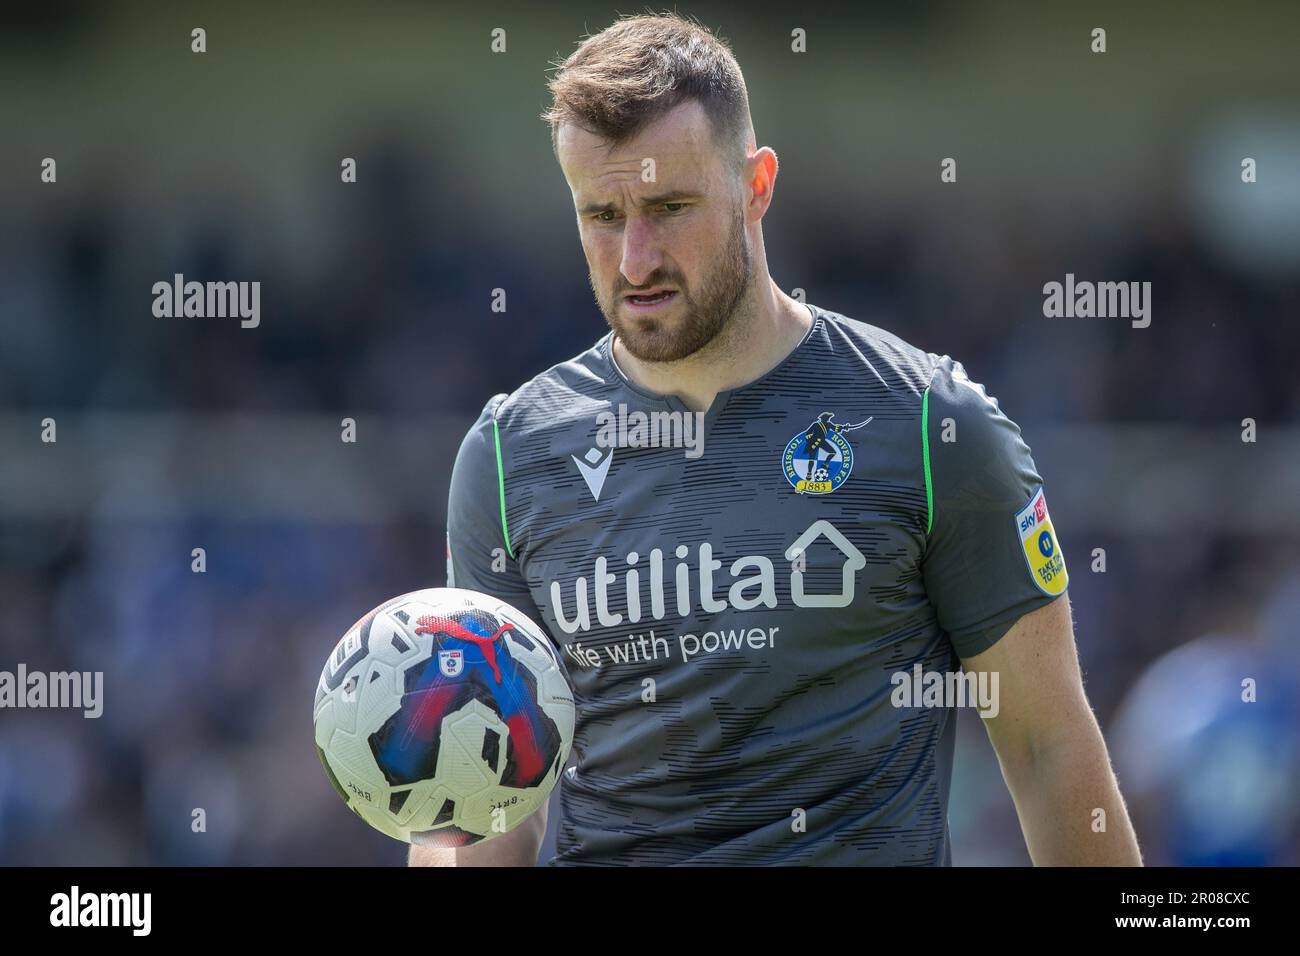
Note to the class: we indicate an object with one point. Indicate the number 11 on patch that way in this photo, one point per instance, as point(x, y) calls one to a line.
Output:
point(1038, 539)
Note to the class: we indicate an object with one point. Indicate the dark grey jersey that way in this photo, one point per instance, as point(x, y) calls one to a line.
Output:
point(736, 594)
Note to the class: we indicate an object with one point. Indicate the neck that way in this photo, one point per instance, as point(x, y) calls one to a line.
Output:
point(766, 327)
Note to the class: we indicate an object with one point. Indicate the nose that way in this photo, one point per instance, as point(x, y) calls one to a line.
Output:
point(640, 251)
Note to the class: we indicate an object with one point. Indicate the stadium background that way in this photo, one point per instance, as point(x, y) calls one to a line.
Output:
point(376, 299)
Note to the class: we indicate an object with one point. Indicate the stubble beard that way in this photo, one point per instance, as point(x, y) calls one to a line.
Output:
point(705, 316)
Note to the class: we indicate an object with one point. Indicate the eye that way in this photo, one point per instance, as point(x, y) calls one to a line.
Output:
point(606, 215)
point(674, 206)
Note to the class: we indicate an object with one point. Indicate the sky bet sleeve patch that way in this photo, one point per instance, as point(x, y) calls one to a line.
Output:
point(1037, 537)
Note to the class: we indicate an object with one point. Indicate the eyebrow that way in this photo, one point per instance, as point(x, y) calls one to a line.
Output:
point(674, 195)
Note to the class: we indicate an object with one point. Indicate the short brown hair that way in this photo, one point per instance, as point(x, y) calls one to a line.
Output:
point(639, 68)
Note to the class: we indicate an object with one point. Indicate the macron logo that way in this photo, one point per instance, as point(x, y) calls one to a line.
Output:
point(593, 469)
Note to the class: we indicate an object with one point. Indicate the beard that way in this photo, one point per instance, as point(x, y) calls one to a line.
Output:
point(704, 314)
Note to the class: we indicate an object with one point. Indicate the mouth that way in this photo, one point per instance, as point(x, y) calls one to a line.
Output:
point(649, 301)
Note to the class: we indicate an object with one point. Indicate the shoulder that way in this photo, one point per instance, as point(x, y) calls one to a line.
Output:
point(965, 415)
point(909, 365)
point(970, 449)
point(951, 386)
point(877, 352)
point(976, 453)
point(573, 389)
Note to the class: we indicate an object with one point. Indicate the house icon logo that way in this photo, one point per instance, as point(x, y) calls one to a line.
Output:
point(854, 561)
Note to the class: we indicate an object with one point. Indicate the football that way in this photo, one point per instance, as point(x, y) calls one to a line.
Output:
point(444, 717)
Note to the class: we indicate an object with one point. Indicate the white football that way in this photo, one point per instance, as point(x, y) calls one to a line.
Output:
point(444, 717)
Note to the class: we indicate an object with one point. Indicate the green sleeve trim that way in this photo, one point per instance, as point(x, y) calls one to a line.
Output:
point(501, 483)
point(925, 454)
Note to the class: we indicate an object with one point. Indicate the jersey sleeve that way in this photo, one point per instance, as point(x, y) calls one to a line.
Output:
point(991, 552)
point(479, 556)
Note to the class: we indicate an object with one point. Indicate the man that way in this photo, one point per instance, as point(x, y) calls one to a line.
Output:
point(735, 623)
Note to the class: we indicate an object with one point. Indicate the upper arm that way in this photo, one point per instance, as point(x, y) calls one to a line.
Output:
point(479, 552)
point(994, 569)
point(991, 554)
point(1040, 699)
point(480, 558)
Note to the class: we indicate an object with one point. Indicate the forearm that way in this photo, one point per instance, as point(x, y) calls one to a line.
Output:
point(1059, 790)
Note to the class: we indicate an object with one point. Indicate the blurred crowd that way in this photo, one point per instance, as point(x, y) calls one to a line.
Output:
point(209, 677)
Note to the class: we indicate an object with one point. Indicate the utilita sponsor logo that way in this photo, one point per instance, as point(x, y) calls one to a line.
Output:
point(753, 583)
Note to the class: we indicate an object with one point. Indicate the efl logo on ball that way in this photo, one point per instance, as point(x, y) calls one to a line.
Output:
point(451, 663)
